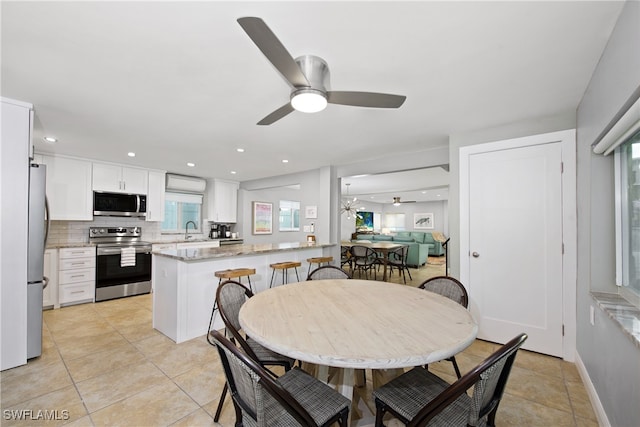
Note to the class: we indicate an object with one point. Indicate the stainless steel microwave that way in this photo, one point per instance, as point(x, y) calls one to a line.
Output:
point(117, 204)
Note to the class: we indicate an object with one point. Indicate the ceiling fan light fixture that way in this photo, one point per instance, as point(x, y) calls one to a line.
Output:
point(308, 100)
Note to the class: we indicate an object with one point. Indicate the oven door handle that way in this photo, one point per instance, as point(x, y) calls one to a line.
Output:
point(118, 251)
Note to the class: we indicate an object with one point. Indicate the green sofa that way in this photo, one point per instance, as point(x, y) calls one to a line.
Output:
point(436, 248)
point(418, 250)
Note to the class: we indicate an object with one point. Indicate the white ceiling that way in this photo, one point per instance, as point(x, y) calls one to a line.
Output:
point(179, 82)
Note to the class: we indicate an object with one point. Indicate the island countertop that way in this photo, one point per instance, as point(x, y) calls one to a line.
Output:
point(201, 254)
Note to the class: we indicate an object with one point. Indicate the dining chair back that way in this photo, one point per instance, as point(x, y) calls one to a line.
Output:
point(260, 400)
point(397, 258)
point(230, 296)
point(454, 290)
point(328, 272)
point(364, 260)
point(345, 256)
point(419, 398)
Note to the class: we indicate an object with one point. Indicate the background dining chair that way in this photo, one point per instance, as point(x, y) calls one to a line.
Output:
point(328, 272)
point(345, 257)
point(296, 398)
point(420, 398)
point(364, 260)
point(452, 289)
point(397, 258)
point(230, 296)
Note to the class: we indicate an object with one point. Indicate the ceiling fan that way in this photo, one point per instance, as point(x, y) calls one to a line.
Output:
point(349, 206)
point(397, 202)
point(308, 77)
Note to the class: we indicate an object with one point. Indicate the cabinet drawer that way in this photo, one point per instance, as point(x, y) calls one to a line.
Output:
point(77, 292)
point(76, 276)
point(77, 252)
point(77, 263)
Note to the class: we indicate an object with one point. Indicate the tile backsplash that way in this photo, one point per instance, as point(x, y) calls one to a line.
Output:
point(63, 232)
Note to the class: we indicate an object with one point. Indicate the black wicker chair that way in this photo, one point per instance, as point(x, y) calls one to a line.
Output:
point(259, 399)
point(397, 258)
point(328, 272)
point(452, 289)
point(419, 398)
point(364, 260)
point(230, 296)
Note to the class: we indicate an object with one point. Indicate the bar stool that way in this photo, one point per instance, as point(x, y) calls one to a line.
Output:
point(318, 260)
point(236, 273)
point(284, 268)
point(232, 273)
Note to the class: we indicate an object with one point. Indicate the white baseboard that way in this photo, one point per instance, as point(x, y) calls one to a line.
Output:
point(603, 421)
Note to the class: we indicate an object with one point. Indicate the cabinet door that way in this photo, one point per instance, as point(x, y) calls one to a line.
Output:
point(155, 196)
point(226, 200)
point(134, 181)
point(69, 189)
point(50, 293)
point(107, 178)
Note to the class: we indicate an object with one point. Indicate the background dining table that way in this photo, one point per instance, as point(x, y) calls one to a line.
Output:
point(357, 324)
point(384, 248)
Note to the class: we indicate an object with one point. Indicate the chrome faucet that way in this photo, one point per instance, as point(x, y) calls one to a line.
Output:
point(186, 229)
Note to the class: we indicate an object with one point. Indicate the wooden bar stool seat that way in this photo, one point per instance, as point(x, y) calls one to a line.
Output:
point(229, 274)
point(284, 267)
point(318, 260)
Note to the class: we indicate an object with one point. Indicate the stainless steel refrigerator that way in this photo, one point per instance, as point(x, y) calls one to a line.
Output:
point(36, 282)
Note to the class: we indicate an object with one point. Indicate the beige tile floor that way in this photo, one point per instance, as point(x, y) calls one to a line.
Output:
point(103, 364)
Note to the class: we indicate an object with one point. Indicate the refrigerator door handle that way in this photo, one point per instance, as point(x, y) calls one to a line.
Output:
point(45, 282)
point(46, 230)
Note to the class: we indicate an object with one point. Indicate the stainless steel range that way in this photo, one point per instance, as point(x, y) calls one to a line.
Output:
point(123, 262)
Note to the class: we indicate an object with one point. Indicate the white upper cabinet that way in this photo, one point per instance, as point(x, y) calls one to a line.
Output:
point(155, 196)
point(118, 179)
point(222, 201)
point(69, 188)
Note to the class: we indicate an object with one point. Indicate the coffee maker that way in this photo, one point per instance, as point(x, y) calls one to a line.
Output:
point(222, 230)
point(214, 233)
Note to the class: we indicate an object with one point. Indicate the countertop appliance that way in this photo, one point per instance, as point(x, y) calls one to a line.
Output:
point(117, 204)
point(37, 237)
point(213, 234)
point(223, 229)
point(123, 262)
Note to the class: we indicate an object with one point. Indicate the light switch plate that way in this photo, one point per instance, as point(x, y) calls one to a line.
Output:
point(592, 315)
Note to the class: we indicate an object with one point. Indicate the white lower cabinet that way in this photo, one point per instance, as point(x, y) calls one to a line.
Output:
point(76, 275)
point(50, 293)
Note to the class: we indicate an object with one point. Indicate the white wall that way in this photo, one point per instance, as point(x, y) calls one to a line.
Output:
point(610, 358)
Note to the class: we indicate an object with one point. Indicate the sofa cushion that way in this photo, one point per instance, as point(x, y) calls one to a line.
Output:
point(364, 237)
point(403, 234)
point(403, 239)
point(419, 236)
point(382, 237)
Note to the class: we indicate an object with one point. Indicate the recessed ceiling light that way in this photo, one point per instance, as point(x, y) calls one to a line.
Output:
point(437, 195)
point(285, 161)
point(240, 150)
point(233, 172)
point(373, 197)
point(131, 154)
point(424, 192)
point(191, 164)
point(50, 139)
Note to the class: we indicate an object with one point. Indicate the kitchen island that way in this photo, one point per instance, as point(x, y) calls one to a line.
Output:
point(184, 284)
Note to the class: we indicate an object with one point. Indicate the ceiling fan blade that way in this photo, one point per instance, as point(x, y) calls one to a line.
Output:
point(274, 50)
point(277, 115)
point(365, 99)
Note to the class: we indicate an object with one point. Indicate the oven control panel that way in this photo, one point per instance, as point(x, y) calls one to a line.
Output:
point(115, 231)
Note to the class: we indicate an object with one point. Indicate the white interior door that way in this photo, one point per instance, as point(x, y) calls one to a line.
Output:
point(515, 278)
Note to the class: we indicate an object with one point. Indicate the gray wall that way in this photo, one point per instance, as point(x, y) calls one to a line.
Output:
point(315, 190)
point(611, 360)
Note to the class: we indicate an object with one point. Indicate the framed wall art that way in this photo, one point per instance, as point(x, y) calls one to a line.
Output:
point(423, 221)
point(262, 218)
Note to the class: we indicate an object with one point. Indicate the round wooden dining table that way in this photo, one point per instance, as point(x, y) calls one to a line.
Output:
point(357, 324)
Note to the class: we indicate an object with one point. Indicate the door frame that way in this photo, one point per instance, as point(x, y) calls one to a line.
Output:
point(567, 140)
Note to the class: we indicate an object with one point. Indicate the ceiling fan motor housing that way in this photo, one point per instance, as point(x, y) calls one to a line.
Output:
point(317, 72)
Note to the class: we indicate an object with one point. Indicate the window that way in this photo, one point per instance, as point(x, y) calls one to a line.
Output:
point(179, 209)
point(394, 221)
point(628, 214)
